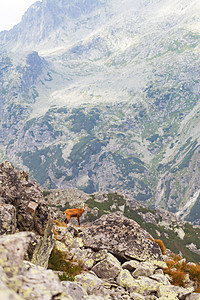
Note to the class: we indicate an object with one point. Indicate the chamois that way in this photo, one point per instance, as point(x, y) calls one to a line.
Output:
point(74, 212)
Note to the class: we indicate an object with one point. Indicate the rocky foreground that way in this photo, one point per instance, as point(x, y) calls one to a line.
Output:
point(118, 259)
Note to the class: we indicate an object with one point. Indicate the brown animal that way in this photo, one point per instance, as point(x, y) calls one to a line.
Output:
point(74, 212)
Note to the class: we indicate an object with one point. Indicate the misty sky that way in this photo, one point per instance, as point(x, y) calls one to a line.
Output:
point(11, 12)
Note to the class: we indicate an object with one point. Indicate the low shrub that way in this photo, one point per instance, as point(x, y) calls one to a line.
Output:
point(178, 269)
point(161, 244)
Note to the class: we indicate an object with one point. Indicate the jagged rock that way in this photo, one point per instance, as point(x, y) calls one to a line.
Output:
point(8, 222)
point(8, 294)
point(122, 237)
point(110, 267)
point(22, 200)
point(77, 243)
point(83, 255)
point(19, 191)
point(60, 246)
point(144, 286)
point(20, 279)
point(40, 283)
point(94, 298)
point(41, 250)
point(100, 255)
point(153, 297)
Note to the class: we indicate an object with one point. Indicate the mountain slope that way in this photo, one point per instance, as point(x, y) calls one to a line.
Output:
point(104, 95)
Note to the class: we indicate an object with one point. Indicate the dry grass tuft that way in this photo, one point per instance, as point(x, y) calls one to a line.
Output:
point(61, 224)
point(178, 270)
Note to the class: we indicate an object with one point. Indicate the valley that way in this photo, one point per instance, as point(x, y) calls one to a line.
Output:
point(104, 96)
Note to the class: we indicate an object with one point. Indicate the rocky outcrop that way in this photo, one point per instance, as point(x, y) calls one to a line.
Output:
point(104, 275)
point(122, 237)
point(21, 279)
point(22, 208)
point(108, 272)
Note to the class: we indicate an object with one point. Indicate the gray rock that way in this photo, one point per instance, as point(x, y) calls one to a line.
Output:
point(193, 296)
point(136, 296)
point(8, 221)
point(93, 285)
point(131, 265)
point(144, 269)
point(174, 291)
point(100, 255)
point(75, 290)
point(7, 294)
point(12, 251)
point(145, 286)
point(32, 212)
point(126, 280)
point(122, 237)
point(108, 268)
point(160, 278)
point(23, 201)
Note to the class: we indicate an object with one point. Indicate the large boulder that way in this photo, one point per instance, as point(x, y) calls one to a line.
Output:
point(123, 237)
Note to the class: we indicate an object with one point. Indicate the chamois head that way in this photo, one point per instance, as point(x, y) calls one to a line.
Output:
point(85, 207)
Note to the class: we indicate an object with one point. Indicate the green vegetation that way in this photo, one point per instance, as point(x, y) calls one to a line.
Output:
point(40, 161)
point(59, 262)
point(114, 200)
point(82, 120)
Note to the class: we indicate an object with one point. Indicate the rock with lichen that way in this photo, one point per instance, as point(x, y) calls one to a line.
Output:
point(109, 267)
point(20, 279)
point(122, 237)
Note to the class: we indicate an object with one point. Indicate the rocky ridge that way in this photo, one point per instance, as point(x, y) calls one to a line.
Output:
point(104, 275)
point(118, 258)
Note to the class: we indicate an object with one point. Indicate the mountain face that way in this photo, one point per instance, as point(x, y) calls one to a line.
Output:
point(104, 95)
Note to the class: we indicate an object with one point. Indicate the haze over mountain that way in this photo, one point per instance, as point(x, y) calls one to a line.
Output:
point(104, 95)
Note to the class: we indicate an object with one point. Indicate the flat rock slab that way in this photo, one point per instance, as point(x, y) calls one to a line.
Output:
point(121, 236)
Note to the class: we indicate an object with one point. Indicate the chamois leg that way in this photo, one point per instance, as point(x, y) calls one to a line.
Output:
point(67, 219)
point(78, 221)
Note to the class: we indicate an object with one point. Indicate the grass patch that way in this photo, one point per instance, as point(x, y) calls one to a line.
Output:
point(58, 262)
